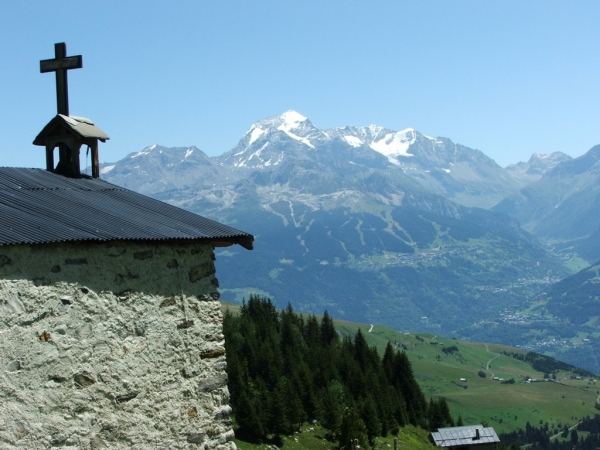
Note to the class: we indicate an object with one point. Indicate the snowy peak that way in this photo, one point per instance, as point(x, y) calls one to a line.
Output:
point(394, 145)
point(269, 140)
point(292, 123)
point(289, 120)
point(287, 149)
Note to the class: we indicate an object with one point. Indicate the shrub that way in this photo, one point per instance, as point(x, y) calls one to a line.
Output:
point(449, 350)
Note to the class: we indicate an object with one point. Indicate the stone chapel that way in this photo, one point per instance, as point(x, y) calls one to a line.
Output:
point(110, 325)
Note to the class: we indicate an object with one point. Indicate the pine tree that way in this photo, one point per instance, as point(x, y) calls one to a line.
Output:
point(351, 428)
point(387, 362)
point(328, 333)
point(312, 332)
point(361, 350)
point(370, 417)
point(333, 400)
point(403, 379)
point(445, 413)
point(278, 422)
point(247, 417)
point(438, 414)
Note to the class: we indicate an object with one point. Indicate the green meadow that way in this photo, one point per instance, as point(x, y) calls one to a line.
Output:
point(503, 406)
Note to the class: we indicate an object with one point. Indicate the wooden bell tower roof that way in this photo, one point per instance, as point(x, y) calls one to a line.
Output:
point(81, 127)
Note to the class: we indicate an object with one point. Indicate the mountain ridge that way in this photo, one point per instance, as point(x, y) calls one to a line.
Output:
point(563, 204)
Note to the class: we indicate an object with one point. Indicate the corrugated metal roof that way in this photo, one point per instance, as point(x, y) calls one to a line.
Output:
point(460, 436)
point(37, 206)
point(79, 125)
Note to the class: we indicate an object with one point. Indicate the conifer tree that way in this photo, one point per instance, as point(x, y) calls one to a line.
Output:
point(278, 421)
point(332, 404)
point(403, 379)
point(247, 417)
point(370, 417)
point(328, 333)
point(312, 333)
point(351, 429)
point(439, 414)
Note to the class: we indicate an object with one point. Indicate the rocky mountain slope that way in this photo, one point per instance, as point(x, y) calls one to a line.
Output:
point(537, 166)
point(564, 204)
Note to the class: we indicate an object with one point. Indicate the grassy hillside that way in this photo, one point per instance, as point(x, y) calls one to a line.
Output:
point(506, 407)
point(503, 406)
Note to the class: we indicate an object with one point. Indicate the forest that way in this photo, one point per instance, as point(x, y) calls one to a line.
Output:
point(286, 369)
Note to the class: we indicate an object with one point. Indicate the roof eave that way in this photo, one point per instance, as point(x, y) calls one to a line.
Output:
point(246, 241)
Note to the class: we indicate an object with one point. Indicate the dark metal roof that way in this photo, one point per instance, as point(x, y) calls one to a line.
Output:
point(38, 206)
point(462, 436)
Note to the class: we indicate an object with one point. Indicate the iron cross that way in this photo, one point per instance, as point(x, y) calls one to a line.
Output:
point(60, 64)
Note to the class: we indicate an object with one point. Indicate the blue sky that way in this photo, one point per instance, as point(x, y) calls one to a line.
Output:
point(509, 78)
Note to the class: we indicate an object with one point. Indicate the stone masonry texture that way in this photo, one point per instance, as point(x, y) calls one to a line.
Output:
point(112, 345)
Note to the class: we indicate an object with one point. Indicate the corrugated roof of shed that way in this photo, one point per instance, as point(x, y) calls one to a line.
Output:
point(37, 206)
point(460, 436)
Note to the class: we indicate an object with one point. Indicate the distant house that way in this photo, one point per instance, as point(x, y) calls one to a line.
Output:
point(466, 438)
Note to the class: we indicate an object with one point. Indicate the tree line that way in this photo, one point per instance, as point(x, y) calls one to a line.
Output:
point(546, 364)
point(286, 369)
point(585, 436)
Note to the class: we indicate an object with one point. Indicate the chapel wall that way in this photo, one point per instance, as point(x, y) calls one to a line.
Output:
point(116, 345)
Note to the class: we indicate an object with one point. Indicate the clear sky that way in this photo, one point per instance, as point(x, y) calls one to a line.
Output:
point(509, 78)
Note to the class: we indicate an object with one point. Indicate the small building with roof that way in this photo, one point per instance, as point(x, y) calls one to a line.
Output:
point(110, 325)
point(466, 438)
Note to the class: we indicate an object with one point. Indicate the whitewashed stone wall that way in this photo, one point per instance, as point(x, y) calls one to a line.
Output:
point(115, 346)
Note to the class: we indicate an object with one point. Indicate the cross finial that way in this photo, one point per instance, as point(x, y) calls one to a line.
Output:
point(60, 64)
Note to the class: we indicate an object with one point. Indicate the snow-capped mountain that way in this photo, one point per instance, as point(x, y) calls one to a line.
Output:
point(439, 166)
point(289, 151)
point(261, 146)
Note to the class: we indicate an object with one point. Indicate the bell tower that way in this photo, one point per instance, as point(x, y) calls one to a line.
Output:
point(64, 131)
